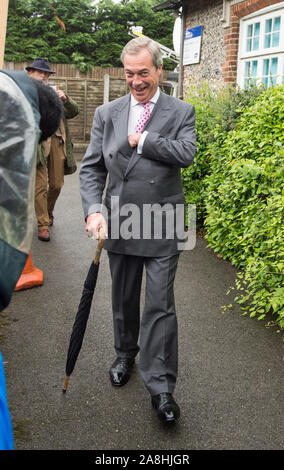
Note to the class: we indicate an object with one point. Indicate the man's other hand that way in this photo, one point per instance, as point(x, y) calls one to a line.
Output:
point(133, 139)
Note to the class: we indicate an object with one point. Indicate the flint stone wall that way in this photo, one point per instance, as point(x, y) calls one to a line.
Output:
point(207, 14)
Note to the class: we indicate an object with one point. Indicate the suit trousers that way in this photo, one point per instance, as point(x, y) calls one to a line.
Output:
point(158, 357)
point(49, 181)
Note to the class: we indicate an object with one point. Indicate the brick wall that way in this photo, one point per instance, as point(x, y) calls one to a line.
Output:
point(231, 36)
point(219, 46)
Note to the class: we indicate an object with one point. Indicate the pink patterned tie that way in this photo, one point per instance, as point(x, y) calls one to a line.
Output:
point(144, 118)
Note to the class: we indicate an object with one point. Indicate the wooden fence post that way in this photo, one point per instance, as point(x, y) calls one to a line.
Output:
point(85, 110)
point(106, 88)
point(3, 27)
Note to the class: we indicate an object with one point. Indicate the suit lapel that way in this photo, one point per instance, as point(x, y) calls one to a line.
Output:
point(158, 119)
point(120, 124)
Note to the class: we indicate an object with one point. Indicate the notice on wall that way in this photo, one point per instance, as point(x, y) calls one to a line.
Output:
point(192, 45)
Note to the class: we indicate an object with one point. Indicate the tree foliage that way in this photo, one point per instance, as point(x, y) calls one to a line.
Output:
point(80, 32)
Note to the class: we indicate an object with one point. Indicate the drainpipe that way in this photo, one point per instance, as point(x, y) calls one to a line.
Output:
point(182, 29)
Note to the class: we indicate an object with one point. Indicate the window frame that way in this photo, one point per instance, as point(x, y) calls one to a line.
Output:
point(263, 53)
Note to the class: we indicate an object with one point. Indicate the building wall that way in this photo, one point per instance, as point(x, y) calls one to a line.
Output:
point(208, 14)
point(231, 35)
point(219, 44)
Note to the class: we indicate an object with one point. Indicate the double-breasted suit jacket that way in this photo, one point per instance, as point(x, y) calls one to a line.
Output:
point(139, 184)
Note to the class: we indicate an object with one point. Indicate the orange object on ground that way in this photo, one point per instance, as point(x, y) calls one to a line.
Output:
point(30, 276)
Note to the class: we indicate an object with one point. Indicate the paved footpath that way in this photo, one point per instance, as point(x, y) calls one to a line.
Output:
point(230, 385)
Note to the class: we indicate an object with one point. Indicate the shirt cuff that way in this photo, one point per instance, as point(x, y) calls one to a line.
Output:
point(141, 141)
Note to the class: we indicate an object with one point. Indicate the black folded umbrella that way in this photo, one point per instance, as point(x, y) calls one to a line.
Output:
point(80, 323)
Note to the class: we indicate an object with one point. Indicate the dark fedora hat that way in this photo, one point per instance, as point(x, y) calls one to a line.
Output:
point(40, 64)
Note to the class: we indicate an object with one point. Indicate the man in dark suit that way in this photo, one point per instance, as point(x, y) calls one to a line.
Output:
point(141, 141)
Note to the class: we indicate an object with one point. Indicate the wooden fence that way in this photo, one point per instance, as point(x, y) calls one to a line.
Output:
point(88, 94)
point(69, 71)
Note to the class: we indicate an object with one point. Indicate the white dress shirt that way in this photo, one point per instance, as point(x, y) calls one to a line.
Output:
point(135, 111)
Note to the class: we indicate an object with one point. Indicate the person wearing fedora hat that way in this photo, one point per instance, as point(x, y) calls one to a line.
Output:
point(40, 68)
point(54, 156)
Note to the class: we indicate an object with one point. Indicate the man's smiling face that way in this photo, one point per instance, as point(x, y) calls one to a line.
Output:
point(142, 77)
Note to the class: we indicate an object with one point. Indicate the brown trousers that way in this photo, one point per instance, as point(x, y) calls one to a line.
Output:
point(49, 181)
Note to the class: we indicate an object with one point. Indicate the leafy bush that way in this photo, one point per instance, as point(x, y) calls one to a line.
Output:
point(217, 112)
point(244, 199)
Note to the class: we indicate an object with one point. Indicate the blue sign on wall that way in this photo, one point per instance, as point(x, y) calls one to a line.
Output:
point(192, 45)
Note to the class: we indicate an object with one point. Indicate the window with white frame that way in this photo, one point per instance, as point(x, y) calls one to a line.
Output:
point(261, 47)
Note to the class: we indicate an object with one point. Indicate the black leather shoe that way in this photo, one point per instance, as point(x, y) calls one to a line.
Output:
point(167, 409)
point(120, 371)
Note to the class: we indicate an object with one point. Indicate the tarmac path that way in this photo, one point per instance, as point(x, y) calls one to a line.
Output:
point(230, 386)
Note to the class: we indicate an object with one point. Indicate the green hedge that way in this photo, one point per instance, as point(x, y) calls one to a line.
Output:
point(240, 173)
point(216, 114)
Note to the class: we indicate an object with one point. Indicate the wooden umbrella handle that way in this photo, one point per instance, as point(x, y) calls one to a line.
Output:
point(99, 247)
point(65, 385)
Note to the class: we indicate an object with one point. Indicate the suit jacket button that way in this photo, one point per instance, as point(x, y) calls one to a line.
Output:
point(110, 155)
point(125, 178)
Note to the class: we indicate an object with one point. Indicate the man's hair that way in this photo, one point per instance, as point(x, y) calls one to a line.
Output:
point(50, 108)
point(135, 45)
